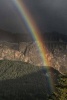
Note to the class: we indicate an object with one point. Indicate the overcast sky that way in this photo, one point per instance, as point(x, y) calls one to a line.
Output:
point(49, 15)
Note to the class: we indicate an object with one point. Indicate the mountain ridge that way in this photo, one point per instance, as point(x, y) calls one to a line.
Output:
point(24, 37)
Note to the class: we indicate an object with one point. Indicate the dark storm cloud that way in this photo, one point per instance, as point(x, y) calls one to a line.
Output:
point(57, 12)
point(9, 19)
point(49, 15)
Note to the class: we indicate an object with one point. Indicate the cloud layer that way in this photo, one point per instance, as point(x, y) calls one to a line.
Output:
point(49, 15)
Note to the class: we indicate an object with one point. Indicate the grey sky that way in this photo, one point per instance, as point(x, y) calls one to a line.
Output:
point(49, 15)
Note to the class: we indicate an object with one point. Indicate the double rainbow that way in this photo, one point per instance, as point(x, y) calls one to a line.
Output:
point(34, 32)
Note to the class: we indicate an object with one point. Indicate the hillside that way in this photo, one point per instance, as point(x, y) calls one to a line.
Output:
point(23, 81)
point(29, 52)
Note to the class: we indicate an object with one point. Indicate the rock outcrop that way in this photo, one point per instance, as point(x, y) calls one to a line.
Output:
point(29, 52)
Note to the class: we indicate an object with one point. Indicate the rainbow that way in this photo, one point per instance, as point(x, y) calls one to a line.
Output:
point(34, 32)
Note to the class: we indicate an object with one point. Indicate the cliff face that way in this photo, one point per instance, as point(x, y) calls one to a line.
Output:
point(59, 60)
point(28, 52)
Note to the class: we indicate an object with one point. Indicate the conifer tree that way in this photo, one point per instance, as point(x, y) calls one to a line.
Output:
point(61, 89)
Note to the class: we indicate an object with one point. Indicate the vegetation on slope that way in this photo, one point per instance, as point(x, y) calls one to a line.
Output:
point(23, 81)
point(61, 89)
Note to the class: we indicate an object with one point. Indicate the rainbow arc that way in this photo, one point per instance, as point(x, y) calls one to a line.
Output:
point(35, 34)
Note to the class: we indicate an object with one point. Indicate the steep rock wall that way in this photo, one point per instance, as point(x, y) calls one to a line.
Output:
point(28, 52)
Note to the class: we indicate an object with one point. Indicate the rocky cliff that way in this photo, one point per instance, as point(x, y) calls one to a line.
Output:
point(28, 52)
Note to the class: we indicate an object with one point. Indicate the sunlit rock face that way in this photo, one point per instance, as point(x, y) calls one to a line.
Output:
point(29, 52)
point(59, 60)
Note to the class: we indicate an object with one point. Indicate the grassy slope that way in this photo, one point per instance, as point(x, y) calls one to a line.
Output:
point(23, 81)
point(15, 69)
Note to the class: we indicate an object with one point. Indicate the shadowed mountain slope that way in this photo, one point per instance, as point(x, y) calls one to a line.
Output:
point(54, 37)
point(14, 37)
point(24, 37)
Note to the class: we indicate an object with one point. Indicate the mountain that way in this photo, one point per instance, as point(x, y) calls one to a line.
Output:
point(22, 48)
point(14, 37)
point(22, 74)
point(54, 36)
point(24, 37)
